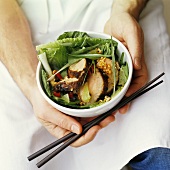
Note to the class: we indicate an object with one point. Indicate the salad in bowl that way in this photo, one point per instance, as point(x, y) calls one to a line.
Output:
point(83, 74)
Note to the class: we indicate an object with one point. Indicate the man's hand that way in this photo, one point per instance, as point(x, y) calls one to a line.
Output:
point(19, 56)
point(59, 124)
point(123, 26)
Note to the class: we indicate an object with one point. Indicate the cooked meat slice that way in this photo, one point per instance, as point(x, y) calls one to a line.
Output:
point(105, 64)
point(76, 73)
point(68, 84)
point(78, 69)
point(97, 85)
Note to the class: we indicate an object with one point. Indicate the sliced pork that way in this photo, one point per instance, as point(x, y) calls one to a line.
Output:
point(78, 69)
point(68, 84)
point(73, 82)
point(97, 85)
point(105, 65)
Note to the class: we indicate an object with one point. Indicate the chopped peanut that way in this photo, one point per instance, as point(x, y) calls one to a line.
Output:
point(101, 64)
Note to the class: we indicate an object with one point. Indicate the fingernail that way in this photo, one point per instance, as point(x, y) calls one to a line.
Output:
point(75, 129)
point(138, 62)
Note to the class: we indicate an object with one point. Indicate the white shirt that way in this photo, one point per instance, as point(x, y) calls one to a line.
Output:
point(145, 126)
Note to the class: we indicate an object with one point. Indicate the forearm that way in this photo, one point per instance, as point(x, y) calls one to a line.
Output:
point(16, 49)
point(134, 7)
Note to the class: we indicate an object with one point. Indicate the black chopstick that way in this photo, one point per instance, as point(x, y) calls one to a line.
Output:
point(87, 126)
point(55, 143)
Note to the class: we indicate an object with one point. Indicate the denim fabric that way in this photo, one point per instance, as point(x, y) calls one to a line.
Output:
point(152, 159)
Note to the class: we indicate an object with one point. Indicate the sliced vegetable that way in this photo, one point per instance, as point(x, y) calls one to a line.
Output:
point(46, 84)
point(42, 57)
point(113, 68)
point(57, 94)
point(85, 49)
point(84, 93)
point(89, 56)
point(66, 98)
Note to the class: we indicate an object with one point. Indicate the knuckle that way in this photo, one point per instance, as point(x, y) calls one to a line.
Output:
point(61, 122)
point(59, 134)
point(137, 29)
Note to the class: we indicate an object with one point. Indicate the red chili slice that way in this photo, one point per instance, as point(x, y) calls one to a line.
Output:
point(57, 94)
point(58, 75)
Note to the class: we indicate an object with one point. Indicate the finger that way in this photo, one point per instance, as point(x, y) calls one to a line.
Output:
point(91, 133)
point(88, 137)
point(134, 39)
point(55, 130)
point(138, 81)
point(124, 109)
point(136, 84)
point(107, 121)
point(59, 132)
point(62, 120)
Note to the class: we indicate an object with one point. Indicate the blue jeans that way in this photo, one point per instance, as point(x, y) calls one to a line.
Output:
point(152, 159)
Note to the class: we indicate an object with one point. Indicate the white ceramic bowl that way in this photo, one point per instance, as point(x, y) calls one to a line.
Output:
point(99, 109)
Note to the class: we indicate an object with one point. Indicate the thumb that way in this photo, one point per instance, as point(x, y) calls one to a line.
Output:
point(135, 43)
point(59, 119)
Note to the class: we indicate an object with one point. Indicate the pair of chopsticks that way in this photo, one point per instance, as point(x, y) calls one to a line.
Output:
point(72, 137)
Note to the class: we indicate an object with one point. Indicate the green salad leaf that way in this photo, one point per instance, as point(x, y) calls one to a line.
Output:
point(57, 57)
point(123, 74)
point(46, 84)
point(72, 34)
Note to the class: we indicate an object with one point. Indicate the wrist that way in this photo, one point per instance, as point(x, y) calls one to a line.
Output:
point(29, 86)
point(25, 73)
point(133, 7)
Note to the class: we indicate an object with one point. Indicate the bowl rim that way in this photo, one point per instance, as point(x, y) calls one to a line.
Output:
point(77, 110)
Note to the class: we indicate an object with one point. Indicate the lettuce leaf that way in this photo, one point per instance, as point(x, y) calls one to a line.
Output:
point(57, 57)
point(72, 34)
point(46, 84)
point(123, 74)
